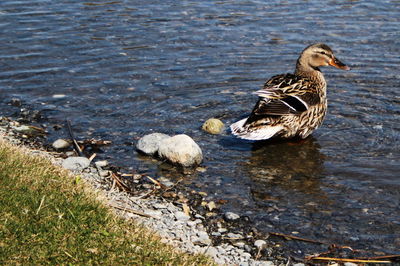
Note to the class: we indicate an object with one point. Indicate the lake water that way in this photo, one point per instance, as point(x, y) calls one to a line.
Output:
point(129, 68)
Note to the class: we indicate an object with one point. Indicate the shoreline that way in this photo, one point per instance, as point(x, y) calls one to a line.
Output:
point(161, 206)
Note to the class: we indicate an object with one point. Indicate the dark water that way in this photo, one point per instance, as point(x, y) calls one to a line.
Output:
point(128, 68)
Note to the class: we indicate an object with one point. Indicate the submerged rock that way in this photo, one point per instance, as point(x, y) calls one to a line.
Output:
point(180, 149)
point(76, 163)
point(150, 143)
point(213, 126)
point(60, 144)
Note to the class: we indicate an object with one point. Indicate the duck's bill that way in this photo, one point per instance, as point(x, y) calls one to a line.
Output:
point(338, 64)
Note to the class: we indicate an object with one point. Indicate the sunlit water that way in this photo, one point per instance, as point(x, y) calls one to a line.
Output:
point(128, 68)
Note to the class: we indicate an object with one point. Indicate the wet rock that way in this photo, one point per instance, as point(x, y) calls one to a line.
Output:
point(213, 126)
point(260, 244)
point(150, 143)
point(76, 163)
point(60, 144)
point(231, 216)
point(180, 149)
point(16, 102)
point(234, 236)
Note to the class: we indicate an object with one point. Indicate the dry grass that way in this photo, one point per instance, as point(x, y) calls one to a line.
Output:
point(46, 218)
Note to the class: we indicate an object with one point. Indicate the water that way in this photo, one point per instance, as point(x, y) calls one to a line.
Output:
point(128, 68)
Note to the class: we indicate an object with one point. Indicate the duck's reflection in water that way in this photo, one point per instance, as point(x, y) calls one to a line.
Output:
point(280, 170)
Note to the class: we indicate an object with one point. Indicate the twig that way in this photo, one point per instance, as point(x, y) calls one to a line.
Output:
point(71, 135)
point(92, 157)
point(134, 211)
point(156, 182)
point(381, 257)
point(298, 238)
point(120, 183)
point(40, 205)
point(350, 260)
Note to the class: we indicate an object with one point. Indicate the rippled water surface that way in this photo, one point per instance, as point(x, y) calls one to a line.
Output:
point(128, 68)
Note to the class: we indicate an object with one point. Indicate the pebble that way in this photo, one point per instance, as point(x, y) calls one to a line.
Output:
point(212, 252)
point(60, 144)
point(180, 149)
point(231, 216)
point(349, 264)
point(239, 244)
point(234, 236)
point(213, 126)
point(149, 144)
point(181, 216)
point(260, 244)
point(202, 238)
point(76, 163)
point(102, 163)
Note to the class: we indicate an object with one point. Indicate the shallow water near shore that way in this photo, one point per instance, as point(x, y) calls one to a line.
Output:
point(122, 69)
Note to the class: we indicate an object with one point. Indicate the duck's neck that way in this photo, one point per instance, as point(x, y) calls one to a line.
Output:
point(313, 73)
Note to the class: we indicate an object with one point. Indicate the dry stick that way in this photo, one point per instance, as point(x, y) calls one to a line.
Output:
point(120, 183)
point(298, 238)
point(156, 182)
point(381, 257)
point(133, 211)
point(71, 135)
point(350, 260)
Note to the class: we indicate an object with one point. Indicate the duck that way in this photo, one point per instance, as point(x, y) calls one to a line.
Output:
point(291, 105)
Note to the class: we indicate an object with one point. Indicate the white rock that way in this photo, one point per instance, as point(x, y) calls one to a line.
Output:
point(231, 216)
point(60, 144)
point(103, 163)
point(212, 252)
point(260, 244)
point(76, 163)
point(150, 143)
point(181, 216)
point(180, 149)
point(349, 264)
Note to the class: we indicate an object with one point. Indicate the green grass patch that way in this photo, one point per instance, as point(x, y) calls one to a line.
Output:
point(46, 217)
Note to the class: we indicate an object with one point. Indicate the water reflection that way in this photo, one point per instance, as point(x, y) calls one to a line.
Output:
point(285, 166)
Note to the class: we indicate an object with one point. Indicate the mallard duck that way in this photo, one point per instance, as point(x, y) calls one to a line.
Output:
point(291, 105)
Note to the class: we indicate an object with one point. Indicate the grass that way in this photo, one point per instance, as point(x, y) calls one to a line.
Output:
point(47, 218)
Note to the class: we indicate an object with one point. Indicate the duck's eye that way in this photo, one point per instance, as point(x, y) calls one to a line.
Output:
point(322, 52)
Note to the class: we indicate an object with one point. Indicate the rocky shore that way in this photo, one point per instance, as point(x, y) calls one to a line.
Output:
point(181, 218)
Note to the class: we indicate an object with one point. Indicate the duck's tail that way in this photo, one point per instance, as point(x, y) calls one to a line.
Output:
point(243, 131)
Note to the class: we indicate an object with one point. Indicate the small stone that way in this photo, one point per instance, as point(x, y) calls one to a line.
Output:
point(222, 230)
point(234, 236)
point(260, 244)
point(104, 173)
point(16, 102)
point(239, 244)
point(216, 234)
point(349, 264)
point(149, 144)
point(212, 252)
point(231, 216)
point(299, 264)
point(180, 149)
point(202, 239)
point(76, 163)
point(213, 126)
point(60, 144)
point(181, 216)
point(211, 205)
point(103, 163)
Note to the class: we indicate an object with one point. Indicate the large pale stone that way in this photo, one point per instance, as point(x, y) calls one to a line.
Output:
point(180, 149)
point(149, 144)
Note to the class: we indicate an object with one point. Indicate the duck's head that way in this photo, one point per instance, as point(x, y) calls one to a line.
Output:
point(318, 55)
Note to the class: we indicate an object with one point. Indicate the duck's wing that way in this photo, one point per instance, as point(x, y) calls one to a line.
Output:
point(284, 94)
